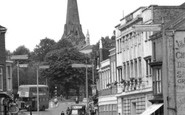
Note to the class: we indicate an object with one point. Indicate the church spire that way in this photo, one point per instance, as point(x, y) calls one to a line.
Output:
point(87, 38)
point(72, 12)
point(72, 29)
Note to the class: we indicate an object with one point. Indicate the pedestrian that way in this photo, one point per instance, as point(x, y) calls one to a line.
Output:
point(62, 113)
point(68, 111)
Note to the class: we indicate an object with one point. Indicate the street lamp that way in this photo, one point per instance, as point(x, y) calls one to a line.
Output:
point(39, 67)
point(86, 81)
point(18, 58)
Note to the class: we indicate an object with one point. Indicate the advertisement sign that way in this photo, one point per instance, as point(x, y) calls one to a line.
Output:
point(180, 71)
point(93, 89)
point(23, 94)
point(145, 27)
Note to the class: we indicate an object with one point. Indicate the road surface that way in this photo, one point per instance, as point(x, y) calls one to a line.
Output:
point(62, 106)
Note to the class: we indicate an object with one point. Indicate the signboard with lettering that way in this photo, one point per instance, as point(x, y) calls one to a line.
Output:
point(23, 93)
point(77, 106)
point(35, 94)
point(19, 57)
point(180, 70)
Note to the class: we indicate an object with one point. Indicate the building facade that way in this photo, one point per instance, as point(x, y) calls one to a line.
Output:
point(167, 65)
point(5, 76)
point(107, 89)
point(2, 59)
point(134, 55)
point(133, 52)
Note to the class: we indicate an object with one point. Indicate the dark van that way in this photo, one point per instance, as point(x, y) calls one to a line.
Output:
point(78, 110)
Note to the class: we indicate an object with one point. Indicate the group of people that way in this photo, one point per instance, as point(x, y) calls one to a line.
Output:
point(68, 112)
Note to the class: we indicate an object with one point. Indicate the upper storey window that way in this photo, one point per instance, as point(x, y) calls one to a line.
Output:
point(129, 18)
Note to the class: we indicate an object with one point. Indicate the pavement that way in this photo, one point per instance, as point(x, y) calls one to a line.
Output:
point(51, 106)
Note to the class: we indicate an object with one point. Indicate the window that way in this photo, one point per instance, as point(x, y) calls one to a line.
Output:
point(148, 68)
point(1, 78)
point(124, 71)
point(157, 81)
point(132, 69)
point(114, 108)
point(128, 71)
point(154, 51)
point(135, 68)
point(119, 74)
point(140, 68)
point(133, 108)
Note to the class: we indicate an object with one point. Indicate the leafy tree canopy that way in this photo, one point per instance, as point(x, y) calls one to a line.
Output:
point(63, 43)
point(42, 49)
point(61, 71)
point(21, 50)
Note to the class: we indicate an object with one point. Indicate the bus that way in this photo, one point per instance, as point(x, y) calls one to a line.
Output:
point(78, 110)
point(28, 97)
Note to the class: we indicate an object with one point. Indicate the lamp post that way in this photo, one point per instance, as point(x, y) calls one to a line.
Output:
point(39, 67)
point(18, 58)
point(86, 76)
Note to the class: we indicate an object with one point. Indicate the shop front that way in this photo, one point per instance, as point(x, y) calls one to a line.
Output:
point(7, 106)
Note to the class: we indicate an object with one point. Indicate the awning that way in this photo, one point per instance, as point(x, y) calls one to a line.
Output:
point(152, 109)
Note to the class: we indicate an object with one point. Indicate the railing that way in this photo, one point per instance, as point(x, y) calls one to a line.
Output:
point(132, 84)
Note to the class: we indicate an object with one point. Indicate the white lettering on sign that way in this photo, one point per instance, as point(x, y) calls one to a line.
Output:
point(180, 71)
point(77, 107)
point(39, 94)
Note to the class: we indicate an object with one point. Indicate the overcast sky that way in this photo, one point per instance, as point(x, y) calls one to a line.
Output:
point(29, 21)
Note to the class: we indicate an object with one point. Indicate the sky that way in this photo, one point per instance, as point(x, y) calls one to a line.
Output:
point(29, 21)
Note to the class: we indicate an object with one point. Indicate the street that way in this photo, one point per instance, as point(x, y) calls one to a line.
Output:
point(62, 106)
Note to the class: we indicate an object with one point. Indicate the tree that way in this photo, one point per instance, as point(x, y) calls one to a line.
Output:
point(63, 43)
point(61, 72)
point(21, 50)
point(42, 49)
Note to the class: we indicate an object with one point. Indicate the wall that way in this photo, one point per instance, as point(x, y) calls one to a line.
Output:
point(3, 56)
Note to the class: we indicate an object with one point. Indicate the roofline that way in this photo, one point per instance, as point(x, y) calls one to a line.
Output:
point(132, 12)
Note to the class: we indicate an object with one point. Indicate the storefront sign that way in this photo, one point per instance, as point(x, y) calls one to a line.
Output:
point(180, 71)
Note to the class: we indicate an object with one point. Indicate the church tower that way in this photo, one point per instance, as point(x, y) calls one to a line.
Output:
point(87, 39)
point(72, 29)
